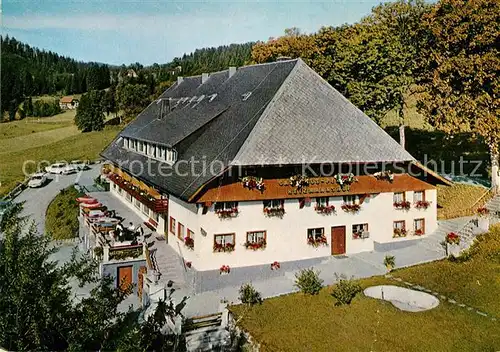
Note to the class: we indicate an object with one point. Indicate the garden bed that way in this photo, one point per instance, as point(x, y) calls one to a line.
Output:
point(61, 219)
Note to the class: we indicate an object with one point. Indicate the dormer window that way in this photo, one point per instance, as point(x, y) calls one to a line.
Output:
point(212, 97)
point(151, 150)
point(192, 99)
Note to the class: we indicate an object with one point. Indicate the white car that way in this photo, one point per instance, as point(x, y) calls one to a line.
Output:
point(60, 168)
point(37, 180)
point(79, 165)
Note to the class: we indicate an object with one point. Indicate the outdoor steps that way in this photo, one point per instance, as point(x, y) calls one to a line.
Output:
point(494, 204)
point(168, 263)
point(207, 339)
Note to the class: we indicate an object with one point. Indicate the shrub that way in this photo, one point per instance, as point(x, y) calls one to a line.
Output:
point(249, 295)
point(308, 281)
point(345, 290)
point(389, 262)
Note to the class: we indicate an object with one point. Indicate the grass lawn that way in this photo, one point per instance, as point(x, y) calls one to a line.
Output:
point(33, 125)
point(56, 144)
point(297, 322)
point(61, 219)
point(458, 200)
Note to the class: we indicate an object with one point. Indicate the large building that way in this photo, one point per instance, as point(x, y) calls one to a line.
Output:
point(267, 163)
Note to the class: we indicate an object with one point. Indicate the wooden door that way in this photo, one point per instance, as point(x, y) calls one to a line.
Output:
point(338, 240)
point(124, 277)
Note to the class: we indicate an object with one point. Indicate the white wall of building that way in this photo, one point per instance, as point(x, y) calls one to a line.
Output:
point(287, 236)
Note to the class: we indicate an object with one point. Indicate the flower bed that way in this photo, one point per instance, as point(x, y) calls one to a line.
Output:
point(227, 213)
point(452, 238)
point(316, 242)
point(189, 242)
point(275, 265)
point(252, 182)
point(225, 269)
point(228, 247)
point(406, 205)
point(422, 204)
point(325, 209)
point(256, 245)
point(124, 253)
point(358, 235)
point(399, 233)
point(280, 211)
point(351, 208)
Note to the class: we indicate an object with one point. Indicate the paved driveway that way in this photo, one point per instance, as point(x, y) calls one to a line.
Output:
point(38, 199)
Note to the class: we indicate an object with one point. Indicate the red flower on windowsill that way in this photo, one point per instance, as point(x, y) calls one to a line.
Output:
point(316, 242)
point(402, 205)
point(399, 233)
point(225, 269)
point(419, 232)
point(275, 265)
point(422, 204)
point(189, 242)
point(279, 211)
point(325, 209)
point(483, 211)
point(256, 245)
point(227, 213)
point(228, 247)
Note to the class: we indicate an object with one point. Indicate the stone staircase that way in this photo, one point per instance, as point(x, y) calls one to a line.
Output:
point(167, 262)
point(494, 206)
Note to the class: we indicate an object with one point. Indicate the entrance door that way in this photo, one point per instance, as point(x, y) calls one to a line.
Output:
point(124, 277)
point(338, 240)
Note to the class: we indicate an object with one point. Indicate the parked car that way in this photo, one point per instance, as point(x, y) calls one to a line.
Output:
point(79, 165)
point(60, 168)
point(37, 180)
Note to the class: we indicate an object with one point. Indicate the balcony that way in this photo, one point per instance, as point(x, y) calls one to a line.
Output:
point(156, 204)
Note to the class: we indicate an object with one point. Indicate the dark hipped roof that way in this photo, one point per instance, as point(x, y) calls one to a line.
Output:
point(291, 117)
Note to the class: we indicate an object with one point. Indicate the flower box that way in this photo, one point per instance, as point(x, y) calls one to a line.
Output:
point(345, 181)
point(228, 247)
point(189, 242)
point(227, 213)
point(280, 211)
point(351, 208)
point(224, 270)
point(255, 245)
point(422, 204)
point(406, 205)
point(252, 182)
point(360, 235)
point(452, 238)
point(399, 233)
point(483, 211)
point(275, 265)
point(325, 209)
point(316, 242)
point(189, 265)
point(419, 232)
point(299, 181)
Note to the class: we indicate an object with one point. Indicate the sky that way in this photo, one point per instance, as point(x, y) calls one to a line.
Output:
point(149, 31)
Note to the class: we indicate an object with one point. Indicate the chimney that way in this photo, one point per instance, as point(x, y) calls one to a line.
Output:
point(179, 79)
point(204, 77)
point(232, 71)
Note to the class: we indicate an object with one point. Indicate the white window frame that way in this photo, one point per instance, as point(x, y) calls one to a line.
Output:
point(316, 233)
point(274, 204)
point(421, 221)
point(225, 205)
point(396, 225)
point(256, 236)
point(223, 237)
point(398, 197)
point(419, 199)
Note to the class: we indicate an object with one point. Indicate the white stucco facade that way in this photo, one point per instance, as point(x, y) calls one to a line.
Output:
point(286, 236)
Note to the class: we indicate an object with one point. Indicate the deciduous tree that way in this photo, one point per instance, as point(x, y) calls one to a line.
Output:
point(462, 65)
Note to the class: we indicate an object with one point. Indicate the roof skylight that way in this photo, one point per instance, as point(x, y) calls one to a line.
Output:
point(246, 96)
